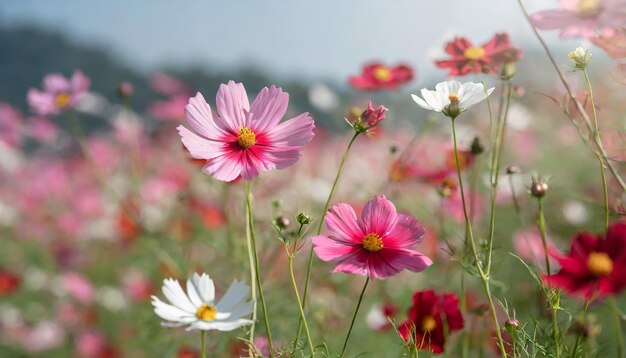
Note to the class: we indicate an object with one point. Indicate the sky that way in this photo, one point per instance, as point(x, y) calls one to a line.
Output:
point(324, 39)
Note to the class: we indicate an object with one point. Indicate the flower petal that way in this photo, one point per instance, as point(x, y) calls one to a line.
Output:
point(268, 108)
point(379, 216)
point(236, 293)
point(232, 104)
point(341, 221)
point(177, 297)
point(328, 249)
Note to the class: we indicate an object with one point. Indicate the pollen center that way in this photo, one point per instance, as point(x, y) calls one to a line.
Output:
point(588, 7)
point(62, 99)
point(454, 98)
point(246, 137)
point(599, 264)
point(372, 242)
point(429, 323)
point(474, 53)
point(206, 312)
point(382, 74)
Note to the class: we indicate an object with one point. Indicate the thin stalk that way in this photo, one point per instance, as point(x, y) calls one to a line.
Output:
point(483, 277)
point(321, 224)
point(253, 279)
point(573, 98)
point(617, 321)
point(495, 172)
point(302, 316)
point(246, 185)
point(542, 230)
point(202, 334)
point(597, 136)
point(356, 311)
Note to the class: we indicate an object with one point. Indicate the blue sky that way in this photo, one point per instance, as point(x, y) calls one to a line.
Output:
point(327, 39)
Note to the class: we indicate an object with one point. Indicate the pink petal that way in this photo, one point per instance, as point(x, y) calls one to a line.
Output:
point(407, 232)
point(283, 157)
point(354, 263)
point(297, 131)
point(554, 19)
point(232, 104)
point(328, 249)
point(55, 82)
point(378, 267)
point(41, 102)
point(341, 221)
point(199, 147)
point(268, 108)
point(226, 167)
point(379, 216)
point(79, 83)
point(201, 119)
point(406, 259)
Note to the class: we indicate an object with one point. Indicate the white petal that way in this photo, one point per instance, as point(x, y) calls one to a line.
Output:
point(193, 293)
point(177, 297)
point(448, 87)
point(237, 292)
point(420, 102)
point(171, 313)
point(205, 286)
point(241, 310)
point(220, 326)
point(433, 100)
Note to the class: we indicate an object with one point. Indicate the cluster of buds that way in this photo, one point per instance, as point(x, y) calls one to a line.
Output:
point(581, 58)
point(369, 118)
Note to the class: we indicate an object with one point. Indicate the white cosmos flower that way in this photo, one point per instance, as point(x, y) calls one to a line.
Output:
point(197, 308)
point(452, 97)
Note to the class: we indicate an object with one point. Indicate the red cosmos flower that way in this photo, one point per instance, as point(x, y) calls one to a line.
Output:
point(425, 326)
point(467, 58)
point(595, 266)
point(377, 76)
point(9, 282)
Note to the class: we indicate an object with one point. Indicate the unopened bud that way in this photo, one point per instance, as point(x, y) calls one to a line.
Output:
point(125, 89)
point(581, 58)
point(511, 325)
point(281, 221)
point(539, 187)
point(509, 70)
point(476, 147)
point(303, 219)
point(512, 169)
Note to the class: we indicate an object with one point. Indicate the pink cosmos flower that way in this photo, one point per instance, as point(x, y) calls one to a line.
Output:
point(58, 93)
point(78, 287)
point(244, 139)
point(43, 130)
point(583, 18)
point(378, 244)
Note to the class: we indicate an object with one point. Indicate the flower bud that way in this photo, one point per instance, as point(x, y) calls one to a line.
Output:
point(512, 169)
point(372, 116)
point(511, 325)
point(476, 147)
point(281, 221)
point(539, 187)
point(125, 90)
point(509, 70)
point(303, 219)
point(581, 58)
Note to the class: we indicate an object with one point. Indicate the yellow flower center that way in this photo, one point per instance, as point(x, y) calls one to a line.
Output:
point(206, 312)
point(428, 324)
point(62, 99)
point(246, 137)
point(372, 242)
point(454, 98)
point(599, 264)
point(474, 53)
point(588, 7)
point(382, 74)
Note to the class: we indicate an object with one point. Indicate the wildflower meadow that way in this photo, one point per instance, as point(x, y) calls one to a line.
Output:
point(469, 207)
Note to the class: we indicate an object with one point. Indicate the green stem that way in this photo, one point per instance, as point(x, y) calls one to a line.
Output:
point(321, 224)
point(495, 171)
point(617, 321)
point(302, 316)
point(253, 279)
point(483, 277)
point(250, 220)
point(542, 230)
point(358, 305)
point(202, 334)
point(597, 136)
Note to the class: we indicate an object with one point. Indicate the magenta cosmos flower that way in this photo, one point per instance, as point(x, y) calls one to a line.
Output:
point(583, 18)
point(244, 139)
point(59, 93)
point(379, 244)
